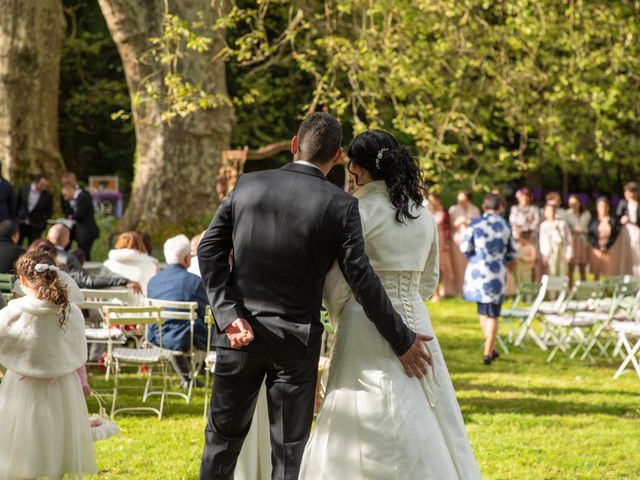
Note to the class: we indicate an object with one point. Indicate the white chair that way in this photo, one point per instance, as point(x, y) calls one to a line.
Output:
point(628, 331)
point(524, 310)
point(145, 354)
point(566, 328)
point(188, 312)
point(556, 295)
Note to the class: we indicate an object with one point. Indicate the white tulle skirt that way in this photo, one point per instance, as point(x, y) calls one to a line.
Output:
point(44, 429)
point(376, 423)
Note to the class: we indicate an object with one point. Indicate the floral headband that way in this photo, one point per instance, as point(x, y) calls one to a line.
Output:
point(379, 156)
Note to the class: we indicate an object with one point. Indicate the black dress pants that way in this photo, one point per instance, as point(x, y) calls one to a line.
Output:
point(291, 387)
point(85, 246)
point(30, 233)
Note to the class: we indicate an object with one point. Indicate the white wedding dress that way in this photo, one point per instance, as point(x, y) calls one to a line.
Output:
point(376, 422)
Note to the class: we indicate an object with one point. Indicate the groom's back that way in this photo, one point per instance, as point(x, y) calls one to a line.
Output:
point(287, 228)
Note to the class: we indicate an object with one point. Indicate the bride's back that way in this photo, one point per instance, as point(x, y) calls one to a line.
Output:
point(393, 246)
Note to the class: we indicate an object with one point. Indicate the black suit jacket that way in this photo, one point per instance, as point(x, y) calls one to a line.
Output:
point(286, 228)
point(37, 217)
point(621, 210)
point(7, 200)
point(86, 228)
point(9, 253)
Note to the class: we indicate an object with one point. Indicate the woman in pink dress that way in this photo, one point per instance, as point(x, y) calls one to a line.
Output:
point(447, 287)
point(460, 216)
point(578, 219)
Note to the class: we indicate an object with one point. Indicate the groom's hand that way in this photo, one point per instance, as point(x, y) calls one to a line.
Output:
point(416, 359)
point(239, 333)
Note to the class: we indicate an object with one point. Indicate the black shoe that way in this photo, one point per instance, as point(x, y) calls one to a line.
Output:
point(495, 355)
point(487, 359)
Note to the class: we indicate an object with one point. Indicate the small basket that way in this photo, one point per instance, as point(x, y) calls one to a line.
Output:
point(102, 427)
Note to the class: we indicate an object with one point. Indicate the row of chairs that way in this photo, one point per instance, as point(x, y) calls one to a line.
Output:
point(589, 317)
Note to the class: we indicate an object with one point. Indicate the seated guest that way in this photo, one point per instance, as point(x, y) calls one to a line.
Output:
point(195, 241)
point(176, 284)
point(129, 259)
point(9, 248)
point(60, 236)
point(146, 239)
point(35, 206)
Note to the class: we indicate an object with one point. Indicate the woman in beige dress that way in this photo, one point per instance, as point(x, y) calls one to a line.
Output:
point(460, 216)
point(603, 232)
point(447, 286)
point(578, 219)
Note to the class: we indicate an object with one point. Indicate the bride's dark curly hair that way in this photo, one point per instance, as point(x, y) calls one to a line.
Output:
point(384, 158)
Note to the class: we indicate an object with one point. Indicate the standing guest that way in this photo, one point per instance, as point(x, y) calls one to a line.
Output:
point(60, 237)
point(524, 215)
point(441, 216)
point(556, 244)
point(7, 200)
point(526, 254)
point(578, 219)
point(603, 232)
point(555, 199)
point(489, 245)
point(129, 259)
point(460, 216)
point(44, 426)
point(34, 206)
point(176, 284)
point(627, 210)
point(195, 243)
point(10, 251)
point(77, 205)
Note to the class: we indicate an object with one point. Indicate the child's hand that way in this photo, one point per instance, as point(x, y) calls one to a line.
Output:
point(86, 389)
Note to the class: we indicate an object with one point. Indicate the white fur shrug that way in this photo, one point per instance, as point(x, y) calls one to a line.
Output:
point(33, 344)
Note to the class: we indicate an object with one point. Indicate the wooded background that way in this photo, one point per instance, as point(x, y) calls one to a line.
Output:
point(486, 93)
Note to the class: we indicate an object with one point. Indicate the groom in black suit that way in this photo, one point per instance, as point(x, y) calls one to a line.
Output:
point(285, 228)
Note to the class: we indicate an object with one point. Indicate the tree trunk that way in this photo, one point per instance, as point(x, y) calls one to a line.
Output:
point(177, 162)
point(31, 38)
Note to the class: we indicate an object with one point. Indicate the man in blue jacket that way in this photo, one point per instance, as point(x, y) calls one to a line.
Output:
point(176, 284)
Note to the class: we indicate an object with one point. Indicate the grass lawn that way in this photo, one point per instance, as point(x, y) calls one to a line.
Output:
point(526, 419)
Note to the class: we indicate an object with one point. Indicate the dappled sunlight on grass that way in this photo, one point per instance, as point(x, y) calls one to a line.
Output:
point(526, 419)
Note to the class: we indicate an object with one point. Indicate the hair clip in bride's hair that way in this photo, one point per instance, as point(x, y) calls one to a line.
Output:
point(379, 157)
point(43, 267)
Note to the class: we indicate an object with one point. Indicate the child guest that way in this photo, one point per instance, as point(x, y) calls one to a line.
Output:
point(44, 426)
point(526, 258)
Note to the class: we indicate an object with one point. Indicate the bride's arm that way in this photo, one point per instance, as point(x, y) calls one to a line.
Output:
point(431, 271)
point(335, 294)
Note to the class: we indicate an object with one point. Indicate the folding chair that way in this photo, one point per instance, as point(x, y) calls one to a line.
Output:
point(188, 312)
point(147, 355)
point(626, 331)
point(566, 328)
point(6, 285)
point(524, 311)
point(556, 295)
point(611, 309)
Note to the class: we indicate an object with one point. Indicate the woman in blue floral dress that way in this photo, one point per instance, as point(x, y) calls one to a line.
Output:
point(489, 246)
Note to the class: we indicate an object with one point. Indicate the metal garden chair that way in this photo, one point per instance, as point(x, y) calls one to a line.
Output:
point(523, 311)
point(147, 355)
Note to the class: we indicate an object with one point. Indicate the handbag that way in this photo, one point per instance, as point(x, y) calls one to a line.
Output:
point(102, 427)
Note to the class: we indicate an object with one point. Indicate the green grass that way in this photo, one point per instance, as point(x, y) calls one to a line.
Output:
point(526, 419)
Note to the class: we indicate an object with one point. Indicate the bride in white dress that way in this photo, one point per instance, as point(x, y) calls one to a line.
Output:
point(376, 422)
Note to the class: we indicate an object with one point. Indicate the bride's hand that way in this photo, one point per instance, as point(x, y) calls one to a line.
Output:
point(416, 359)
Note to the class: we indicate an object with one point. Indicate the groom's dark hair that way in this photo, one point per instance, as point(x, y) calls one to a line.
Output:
point(319, 138)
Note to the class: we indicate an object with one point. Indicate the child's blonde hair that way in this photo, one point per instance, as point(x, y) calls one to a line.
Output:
point(45, 280)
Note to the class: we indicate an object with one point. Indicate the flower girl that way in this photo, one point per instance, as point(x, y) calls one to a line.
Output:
point(44, 425)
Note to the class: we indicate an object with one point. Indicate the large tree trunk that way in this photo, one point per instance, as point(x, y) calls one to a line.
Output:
point(31, 38)
point(177, 162)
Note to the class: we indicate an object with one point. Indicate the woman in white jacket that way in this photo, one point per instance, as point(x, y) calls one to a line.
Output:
point(129, 259)
point(44, 426)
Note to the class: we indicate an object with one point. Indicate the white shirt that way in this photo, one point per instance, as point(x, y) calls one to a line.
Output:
point(34, 197)
point(76, 194)
point(632, 209)
point(304, 162)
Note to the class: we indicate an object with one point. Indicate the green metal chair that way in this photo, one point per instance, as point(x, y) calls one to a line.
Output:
point(7, 281)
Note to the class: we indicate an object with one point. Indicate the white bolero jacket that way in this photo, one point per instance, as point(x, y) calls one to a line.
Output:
point(391, 246)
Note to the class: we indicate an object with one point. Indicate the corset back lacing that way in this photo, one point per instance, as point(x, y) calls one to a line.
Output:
point(404, 288)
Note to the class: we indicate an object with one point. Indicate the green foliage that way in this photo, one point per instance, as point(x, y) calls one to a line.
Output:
point(92, 91)
point(526, 419)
